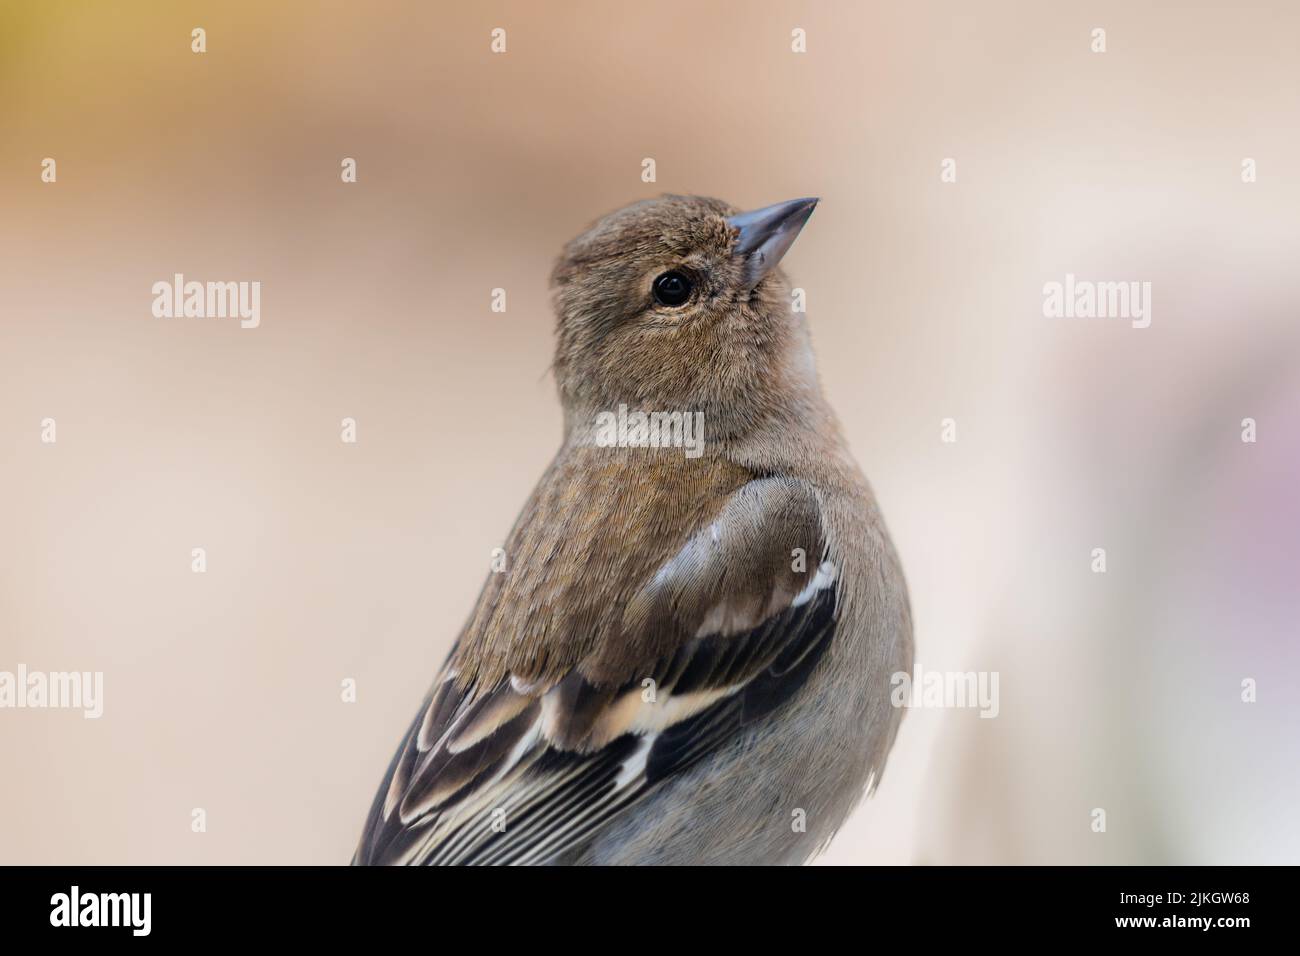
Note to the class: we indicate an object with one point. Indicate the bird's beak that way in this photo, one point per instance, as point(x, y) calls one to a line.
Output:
point(766, 234)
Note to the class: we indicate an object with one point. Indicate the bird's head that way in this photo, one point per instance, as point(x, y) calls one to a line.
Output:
point(677, 304)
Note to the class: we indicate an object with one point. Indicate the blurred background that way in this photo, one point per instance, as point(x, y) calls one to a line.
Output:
point(329, 561)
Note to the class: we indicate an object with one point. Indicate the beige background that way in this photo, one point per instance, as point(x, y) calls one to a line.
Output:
point(328, 561)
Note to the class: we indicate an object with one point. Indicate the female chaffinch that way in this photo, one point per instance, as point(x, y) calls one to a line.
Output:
point(687, 657)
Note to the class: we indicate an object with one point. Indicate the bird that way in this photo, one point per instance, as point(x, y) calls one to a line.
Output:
point(683, 658)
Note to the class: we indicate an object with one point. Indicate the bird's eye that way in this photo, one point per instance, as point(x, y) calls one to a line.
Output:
point(672, 289)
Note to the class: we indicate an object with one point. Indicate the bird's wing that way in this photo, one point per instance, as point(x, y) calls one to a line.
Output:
point(519, 772)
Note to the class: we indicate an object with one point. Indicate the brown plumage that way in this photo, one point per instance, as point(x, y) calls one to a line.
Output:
point(683, 652)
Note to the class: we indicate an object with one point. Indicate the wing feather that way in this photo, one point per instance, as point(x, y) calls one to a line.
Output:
point(527, 770)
